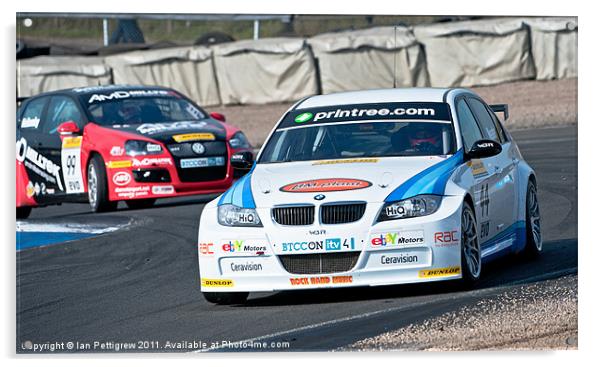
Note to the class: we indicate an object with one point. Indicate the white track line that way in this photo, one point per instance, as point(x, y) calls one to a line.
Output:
point(67, 227)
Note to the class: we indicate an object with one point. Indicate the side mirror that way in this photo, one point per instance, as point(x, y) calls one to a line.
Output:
point(242, 160)
point(218, 116)
point(484, 148)
point(68, 128)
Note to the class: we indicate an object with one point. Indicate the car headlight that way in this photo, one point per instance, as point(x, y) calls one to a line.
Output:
point(141, 147)
point(235, 216)
point(416, 206)
point(239, 140)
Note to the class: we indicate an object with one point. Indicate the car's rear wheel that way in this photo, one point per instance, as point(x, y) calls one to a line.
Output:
point(470, 247)
point(23, 212)
point(140, 203)
point(226, 298)
point(98, 190)
point(534, 245)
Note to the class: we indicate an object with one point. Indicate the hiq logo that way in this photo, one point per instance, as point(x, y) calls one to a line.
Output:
point(232, 246)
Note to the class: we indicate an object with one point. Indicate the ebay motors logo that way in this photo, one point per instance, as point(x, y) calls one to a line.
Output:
point(121, 178)
point(239, 246)
point(403, 238)
point(233, 246)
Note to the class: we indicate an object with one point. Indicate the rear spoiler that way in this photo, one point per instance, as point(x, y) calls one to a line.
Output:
point(500, 108)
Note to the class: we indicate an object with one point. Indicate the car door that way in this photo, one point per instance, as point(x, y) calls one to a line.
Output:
point(43, 171)
point(482, 170)
point(502, 193)
point(65, 150)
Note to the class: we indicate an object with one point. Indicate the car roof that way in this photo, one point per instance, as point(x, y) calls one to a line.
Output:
point(99, 89)
point(379, 96)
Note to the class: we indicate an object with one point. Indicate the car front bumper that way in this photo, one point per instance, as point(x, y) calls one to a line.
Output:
point(127, 181)
point(275, 258)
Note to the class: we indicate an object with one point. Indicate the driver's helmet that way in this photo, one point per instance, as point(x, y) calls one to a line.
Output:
point(422, 134)
point(130, 112)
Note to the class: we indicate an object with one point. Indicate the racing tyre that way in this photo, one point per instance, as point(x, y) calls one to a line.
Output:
point(98, 191)
point(471, 248)
point(140, 203)
point(23, 212)
point(534, 244)
point(226, 298)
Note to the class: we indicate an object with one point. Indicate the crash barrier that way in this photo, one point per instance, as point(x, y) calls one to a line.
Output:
point(369, 59)
point(469, 53)
point(186, 69)
point(554, 47)
point(46, 73)
point(265, 70)
point(476, 52)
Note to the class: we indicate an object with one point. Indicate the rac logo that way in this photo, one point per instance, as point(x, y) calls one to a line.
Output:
point(446, 237)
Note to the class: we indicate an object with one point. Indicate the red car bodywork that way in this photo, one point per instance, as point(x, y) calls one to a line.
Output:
point(108, 143)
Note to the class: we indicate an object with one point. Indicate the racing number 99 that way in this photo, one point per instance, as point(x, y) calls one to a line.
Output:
point(71, 161)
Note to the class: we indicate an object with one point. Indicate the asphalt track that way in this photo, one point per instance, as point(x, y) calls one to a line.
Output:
point(141, 283)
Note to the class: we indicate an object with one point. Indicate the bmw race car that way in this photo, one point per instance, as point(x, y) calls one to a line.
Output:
point(371, 188)
point(110, 143)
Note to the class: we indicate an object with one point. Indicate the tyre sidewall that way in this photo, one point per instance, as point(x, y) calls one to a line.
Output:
point(102, 192)
point(467, 278)
point(531, 249)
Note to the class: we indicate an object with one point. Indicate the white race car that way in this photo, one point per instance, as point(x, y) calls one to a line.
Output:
point(371, 188)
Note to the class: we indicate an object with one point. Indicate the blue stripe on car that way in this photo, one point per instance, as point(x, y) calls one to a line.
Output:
point(516, 231)
point(430, 181)
point(240, 194)
point(247, 198)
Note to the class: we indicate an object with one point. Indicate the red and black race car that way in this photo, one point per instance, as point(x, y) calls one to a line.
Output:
point(110, 143)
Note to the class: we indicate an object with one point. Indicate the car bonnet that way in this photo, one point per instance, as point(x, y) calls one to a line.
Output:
point(356, 179)
point(174, 132)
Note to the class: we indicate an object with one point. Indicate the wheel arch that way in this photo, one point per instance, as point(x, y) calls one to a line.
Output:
point(468, 198)
point(89, 157)
point(525, 174)
point(533, 178)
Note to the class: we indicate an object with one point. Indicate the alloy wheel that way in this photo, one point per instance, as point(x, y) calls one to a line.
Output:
point(470, 243)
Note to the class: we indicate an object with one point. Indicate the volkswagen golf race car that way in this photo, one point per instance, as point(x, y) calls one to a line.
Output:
point(110, 143)
point(371, 188)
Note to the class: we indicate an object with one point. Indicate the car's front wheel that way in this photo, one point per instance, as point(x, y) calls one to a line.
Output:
point(471, 248)
point(226, 298)
point(98, 190)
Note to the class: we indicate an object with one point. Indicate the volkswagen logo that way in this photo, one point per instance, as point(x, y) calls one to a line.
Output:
point(320, 197)
point(198, 148)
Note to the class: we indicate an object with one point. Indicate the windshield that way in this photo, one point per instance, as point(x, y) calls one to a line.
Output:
point(365, 139)
point(143, 110)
